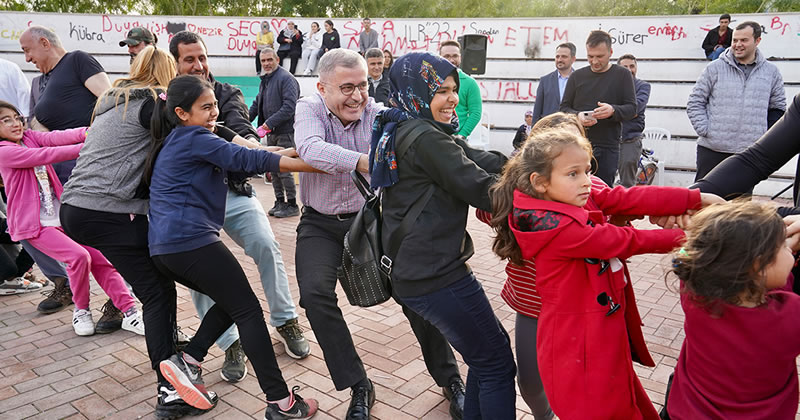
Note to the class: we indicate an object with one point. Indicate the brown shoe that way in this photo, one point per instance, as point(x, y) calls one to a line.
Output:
point(57, 299)
point(110, 321)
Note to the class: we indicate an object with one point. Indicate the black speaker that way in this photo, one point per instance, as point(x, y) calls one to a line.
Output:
point(473, 53)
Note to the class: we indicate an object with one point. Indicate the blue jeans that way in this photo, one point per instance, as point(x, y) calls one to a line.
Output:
point(716, 53)
point(464, 316)
point(50, 267)
point(247, 224)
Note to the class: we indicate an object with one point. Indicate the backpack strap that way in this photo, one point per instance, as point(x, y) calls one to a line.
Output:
point(397, 237)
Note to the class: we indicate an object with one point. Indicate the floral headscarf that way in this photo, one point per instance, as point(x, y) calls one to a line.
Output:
point(414, 79)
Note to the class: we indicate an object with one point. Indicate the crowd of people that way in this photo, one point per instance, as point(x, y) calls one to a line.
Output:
point(159, 162)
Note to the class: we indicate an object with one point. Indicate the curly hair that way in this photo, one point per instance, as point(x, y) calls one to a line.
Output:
point(727, 249)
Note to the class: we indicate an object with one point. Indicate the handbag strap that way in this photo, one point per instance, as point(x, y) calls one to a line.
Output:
point(396, 238)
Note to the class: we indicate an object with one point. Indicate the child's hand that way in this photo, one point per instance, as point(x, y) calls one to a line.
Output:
point(682, 221)
point(793, 231)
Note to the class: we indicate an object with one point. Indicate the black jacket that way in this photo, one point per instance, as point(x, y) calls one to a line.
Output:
point(296, 46)
point(276, 101)
point(330, 40)
point(233, 113)
point(712, 40)
point(382, 92)
point(435, 251)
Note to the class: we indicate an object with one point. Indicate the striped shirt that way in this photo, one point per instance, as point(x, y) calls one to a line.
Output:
point(519, 291)
point(324, 143)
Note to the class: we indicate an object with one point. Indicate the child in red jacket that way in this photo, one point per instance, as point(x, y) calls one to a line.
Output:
point(588, 327)
point(738, 360)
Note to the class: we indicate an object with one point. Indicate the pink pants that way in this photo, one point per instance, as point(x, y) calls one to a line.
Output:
point(80, 260)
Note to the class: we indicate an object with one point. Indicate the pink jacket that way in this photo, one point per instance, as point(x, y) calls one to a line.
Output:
point(22, 188)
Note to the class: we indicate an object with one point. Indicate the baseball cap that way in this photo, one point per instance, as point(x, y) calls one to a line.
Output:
point(138, 35)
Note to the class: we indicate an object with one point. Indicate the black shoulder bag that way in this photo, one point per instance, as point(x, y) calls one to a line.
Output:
point(365, 273)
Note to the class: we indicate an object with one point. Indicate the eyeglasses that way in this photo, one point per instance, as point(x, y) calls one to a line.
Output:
point(347, 89)
point(12, 121)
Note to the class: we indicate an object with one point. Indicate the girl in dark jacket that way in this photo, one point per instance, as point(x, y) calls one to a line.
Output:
point(429, 272)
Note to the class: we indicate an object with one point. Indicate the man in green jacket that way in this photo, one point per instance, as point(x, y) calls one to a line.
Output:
point(470, 105)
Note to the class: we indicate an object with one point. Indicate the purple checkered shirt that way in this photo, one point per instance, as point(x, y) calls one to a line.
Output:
point(324, 143)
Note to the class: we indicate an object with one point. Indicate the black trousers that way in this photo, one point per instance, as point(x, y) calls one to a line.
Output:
point(318, 254)
point(214, 271)
point(11, 267)
point(258, 62)
point(707, 160)
point(294, 59)
point(124, 243)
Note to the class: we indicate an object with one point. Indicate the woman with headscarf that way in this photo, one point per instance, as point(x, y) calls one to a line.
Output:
point(264, 39)
point(291, 45)
point(445, 176)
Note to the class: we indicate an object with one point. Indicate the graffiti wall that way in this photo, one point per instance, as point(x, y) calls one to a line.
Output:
point(652, 36)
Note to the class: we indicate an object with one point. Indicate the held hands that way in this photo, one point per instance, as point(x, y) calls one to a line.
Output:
point(603, 111)
point(683, 221)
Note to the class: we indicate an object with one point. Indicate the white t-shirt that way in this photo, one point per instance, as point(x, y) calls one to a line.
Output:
point(49, 205)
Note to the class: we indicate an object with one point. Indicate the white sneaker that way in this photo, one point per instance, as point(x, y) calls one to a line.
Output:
point(133, 323)
point(82, 322)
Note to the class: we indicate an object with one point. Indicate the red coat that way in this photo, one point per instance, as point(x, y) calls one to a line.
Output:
point(585, 353)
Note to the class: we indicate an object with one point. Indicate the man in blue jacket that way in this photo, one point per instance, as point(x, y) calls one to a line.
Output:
point(274, 106)
point(551, 86)
point(245, 221)
point(631, 147)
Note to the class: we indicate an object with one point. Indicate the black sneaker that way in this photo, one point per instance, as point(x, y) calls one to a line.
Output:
point(57, 299)
point(300, 408)
point(187, 378)
point(110, 321)
point(234, 368)
point(361, 400)
point(170, 405)
point(288, 210)
point(293, 340)
point(279, 204)
point(454, 392)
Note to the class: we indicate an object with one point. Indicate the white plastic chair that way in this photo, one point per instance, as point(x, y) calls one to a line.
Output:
point(479, 138)
point(656, 133)
point(652, 135)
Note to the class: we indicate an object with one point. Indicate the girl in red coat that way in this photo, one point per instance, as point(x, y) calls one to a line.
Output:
point(738, 360)
point(588, 329)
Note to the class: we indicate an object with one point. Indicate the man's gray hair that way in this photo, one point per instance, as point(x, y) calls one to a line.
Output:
point(269, 50)
point(339, 57)
point(39, 32)
point(373, 53)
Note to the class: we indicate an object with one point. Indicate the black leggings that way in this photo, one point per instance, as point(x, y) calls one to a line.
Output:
point(14, 267)
point(214, 271)
point(294, 59)
point(124, 243)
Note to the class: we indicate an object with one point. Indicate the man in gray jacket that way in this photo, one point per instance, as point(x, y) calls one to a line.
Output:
point(729, 104)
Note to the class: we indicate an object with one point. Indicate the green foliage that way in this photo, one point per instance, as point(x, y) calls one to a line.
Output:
point(404, 8)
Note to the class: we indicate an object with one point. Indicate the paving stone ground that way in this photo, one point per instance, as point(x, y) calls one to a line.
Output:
point(47, 372)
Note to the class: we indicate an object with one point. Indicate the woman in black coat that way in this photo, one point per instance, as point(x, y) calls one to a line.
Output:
point(291, 45)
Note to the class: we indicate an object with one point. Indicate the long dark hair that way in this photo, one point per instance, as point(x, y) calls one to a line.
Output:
point(182, 92)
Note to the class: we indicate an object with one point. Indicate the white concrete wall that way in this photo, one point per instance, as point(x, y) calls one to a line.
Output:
point(519, 51)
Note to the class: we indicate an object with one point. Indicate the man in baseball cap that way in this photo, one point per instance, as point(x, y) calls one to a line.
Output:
point(138, 38)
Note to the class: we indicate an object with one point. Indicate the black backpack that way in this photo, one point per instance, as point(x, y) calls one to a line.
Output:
point(365, 273)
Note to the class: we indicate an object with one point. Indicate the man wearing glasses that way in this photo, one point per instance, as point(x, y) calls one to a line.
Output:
point(332, 133)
